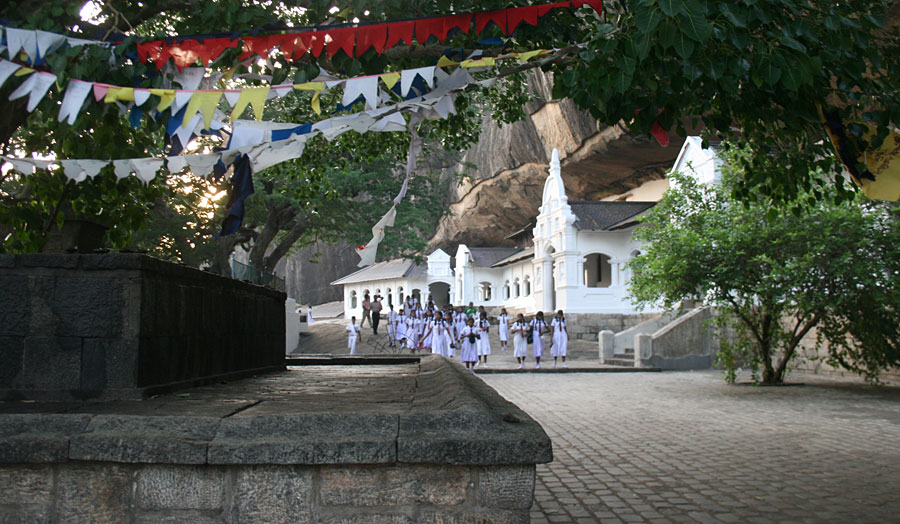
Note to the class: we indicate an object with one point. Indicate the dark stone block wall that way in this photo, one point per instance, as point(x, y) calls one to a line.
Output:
point(126, 325)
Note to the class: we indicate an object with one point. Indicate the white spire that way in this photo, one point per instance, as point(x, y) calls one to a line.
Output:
point(554, 163)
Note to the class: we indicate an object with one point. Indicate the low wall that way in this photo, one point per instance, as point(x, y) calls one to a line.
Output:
point(424, 442)
point(125, 325)
point(685, 343)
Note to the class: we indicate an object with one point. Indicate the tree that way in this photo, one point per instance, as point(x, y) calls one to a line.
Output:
point(294, 198)
point(762, 72)
point(775, 273)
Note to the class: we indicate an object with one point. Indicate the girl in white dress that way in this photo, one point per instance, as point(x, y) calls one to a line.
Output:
point(560, 338)
point(503, 328)
point(401, 329)
point(412, 332)
point(468, 340)
point(460, 320)
point(427, 329)
point(520, 340)
point(439, 337)
point(352, 335)
point(538, 327)
point(484, 343)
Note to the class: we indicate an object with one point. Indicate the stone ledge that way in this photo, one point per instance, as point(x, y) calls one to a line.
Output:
point(451, 418)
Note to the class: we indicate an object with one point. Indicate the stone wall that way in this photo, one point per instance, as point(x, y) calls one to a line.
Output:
point(363, 494)
point(417, 441)
point(123, 325)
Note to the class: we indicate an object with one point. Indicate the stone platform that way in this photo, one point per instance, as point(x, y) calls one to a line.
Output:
point(391, 439)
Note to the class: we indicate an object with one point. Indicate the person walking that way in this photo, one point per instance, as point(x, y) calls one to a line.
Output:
point(376, 313)
point(484, 343)
point(520, 340)
point(468, 340)
point(367, 311)
point(392, 326)
point(503, 328)
point(352, 335)
point(560, 339)
point(401, 328)
point(538, 327)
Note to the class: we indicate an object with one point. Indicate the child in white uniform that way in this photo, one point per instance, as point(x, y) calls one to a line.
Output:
point(352, 335)
point(392, 327)
point(412, 332)
point(520, 340)
point(468, 339)
point(503, 328)
point(440, 339)
point(560, 338)
point(484, 343)
point(538, 327)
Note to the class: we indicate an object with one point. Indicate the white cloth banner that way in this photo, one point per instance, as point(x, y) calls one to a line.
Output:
point(202, 165)
point(7, 68)
point(79, 170)
point(366, 86)
point(19, 39)
point(408, 76)
point(47, 42)
point(76, 93)
point(36, 87)
point(146, 168)
point(175, 163)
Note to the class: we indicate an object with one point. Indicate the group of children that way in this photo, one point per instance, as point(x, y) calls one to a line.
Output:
point(444, 330)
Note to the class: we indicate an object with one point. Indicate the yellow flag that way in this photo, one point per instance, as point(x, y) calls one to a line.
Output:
point(481, 62)
point(166, 97)
point(884, 163)
point(125, 94)
point(443, 61)
point(22, 71)
point(391, 79)
point(313, 86)
point(255, 96)
point(204, 101)
point(528, 55)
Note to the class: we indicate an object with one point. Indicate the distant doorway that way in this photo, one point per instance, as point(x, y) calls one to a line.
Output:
point(440, 293)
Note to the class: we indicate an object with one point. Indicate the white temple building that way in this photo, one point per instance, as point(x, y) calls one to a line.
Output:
point(573, 258)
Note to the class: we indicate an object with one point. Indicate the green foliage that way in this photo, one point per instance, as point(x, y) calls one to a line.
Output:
point(778, 271)
point(752, 70)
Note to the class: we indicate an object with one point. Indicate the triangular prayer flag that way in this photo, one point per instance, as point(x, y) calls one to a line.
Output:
point(113, 94)
point(255, 96)
point(400, 31)
point(428, 27)
point(528, 55)
point(181, 99)
point(596, 5)
point(141, 96)
point(7, 68)
point(166, 97)
point(498, 17)
point(317, 43)
point(443, 61)
point(146, 168)
point(24, 71)
point(341, 39)
point(204, 101)
point(189, 78)
point(122, 168)
point(366, 86)
point(73, 100)
point(461, 21)
point(527, 14)
point(149, 50)
point(373, 36)
point(100, 91)
point(36, 87)
point(48, 41)
point(21, 39)
point(390, 79)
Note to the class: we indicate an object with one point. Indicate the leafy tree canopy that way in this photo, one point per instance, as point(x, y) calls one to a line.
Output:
point(777, 272)
point(756, 71)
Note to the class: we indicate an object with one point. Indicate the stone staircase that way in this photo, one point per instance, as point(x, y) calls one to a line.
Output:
point(625, 359)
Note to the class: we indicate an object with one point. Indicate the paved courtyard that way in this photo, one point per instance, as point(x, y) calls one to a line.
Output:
point(685, 447)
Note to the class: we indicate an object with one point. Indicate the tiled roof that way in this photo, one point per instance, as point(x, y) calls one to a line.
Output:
point(397, 268)
point(515, 257)
point(604, 216)
point(488, 256)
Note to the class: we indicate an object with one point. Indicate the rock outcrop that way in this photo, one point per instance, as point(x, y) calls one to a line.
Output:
point(504, 190)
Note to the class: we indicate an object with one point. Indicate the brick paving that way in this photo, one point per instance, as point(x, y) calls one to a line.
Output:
point(685, 447)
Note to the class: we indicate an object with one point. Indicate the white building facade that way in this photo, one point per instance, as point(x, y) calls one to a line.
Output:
point(577, 262)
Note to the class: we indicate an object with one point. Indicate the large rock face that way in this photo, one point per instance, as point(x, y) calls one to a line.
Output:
point(511, 162)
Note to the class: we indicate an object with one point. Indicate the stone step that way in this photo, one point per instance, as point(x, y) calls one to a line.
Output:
point(624, 362)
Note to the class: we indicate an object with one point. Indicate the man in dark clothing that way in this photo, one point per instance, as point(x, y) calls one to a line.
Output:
point(376, 313)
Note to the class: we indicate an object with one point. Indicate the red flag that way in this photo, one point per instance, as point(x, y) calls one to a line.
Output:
point(258, 45)
point(400, 31)
point(149, 50)
point(527, 14)
point(498, 17)
point(427, 27)
point(461, 21)
point(299, 45)
point(214, 47)
point(185, 53)
point(341, 39)
point(373, 36)
point(317, 43)
point(660, 134)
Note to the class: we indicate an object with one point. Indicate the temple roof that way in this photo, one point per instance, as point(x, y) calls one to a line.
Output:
point(604, 215)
